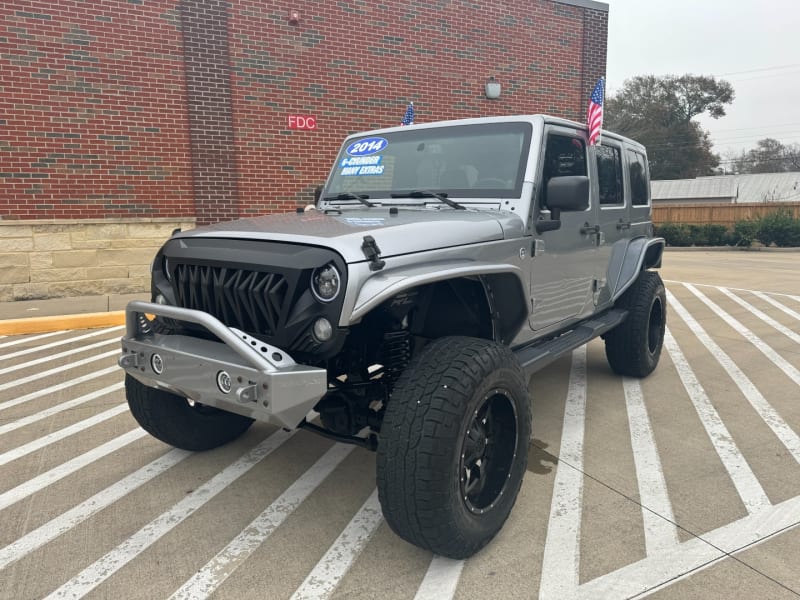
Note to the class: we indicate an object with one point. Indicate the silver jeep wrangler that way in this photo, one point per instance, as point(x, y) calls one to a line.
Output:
point(442, 265)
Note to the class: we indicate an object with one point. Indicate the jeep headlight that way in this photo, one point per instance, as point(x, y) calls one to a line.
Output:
point(325, 283)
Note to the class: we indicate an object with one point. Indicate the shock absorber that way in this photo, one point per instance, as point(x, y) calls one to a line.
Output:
point(395, 354)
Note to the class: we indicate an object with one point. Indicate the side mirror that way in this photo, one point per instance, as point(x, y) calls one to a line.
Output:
point(569, 193)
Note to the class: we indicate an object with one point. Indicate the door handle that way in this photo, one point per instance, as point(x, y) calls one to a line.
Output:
point(623, 224)
point(586, 229)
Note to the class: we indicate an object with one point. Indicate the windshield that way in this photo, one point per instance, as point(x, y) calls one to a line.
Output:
point(466, 161)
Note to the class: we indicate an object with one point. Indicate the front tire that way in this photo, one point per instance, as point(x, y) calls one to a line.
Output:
point(174, 421)
point(634, 347)
point(454, 446)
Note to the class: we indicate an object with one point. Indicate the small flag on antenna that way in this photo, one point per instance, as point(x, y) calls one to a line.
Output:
point(595, 115)
point(408, 118)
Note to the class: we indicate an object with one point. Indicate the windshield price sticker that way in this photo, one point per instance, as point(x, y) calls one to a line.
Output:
point(367, 146)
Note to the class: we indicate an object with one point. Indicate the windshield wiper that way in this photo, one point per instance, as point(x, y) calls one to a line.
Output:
point(441, 196)
point(348, 196)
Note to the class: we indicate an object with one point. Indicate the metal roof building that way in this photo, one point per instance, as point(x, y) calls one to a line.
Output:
point(760, 187)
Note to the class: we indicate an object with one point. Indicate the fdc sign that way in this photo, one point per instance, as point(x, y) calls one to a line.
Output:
point(307, 122)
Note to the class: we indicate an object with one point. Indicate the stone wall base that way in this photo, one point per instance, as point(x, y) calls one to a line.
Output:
point(62, 258)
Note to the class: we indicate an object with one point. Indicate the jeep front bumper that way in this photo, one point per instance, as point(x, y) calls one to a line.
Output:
point(239, 373)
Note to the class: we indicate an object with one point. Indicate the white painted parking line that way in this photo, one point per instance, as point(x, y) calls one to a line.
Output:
point(49, 412)
point(52, 529)
point(103, 568)
point(40, 482)
point(51, 438)
point(222, 566)
point(780, 362)
point(560, 563)
point(765, 410)
point(660, 531)
point(744, 480)
point(654, 572)
point(28, 339)
point(54, 389)
point(52, 357)
point(332, 567)
point(441, 579)
point(43, 375)
point(761, 315)
point(781, 307)
point(63, 342)
point(736, 289)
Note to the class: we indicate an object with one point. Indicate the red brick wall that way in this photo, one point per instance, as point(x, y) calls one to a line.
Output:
point(355, 64)
point(184, 109)
point(93, 116)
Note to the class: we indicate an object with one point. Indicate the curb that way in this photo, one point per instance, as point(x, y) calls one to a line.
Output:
point(58, 323)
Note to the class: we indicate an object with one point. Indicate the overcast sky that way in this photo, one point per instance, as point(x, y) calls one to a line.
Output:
point(755, 45)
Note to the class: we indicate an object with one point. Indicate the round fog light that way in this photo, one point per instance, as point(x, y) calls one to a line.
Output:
point(323, 330)
point(224, 382)
point(157, 363)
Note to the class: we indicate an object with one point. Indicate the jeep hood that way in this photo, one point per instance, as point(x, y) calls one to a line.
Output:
point(407, 231)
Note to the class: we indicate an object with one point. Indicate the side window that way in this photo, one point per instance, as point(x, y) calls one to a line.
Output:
point(609, 175)
point(640, 182)
point(563, 156)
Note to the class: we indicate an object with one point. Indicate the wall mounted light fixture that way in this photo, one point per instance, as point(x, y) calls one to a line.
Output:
point(492, 88)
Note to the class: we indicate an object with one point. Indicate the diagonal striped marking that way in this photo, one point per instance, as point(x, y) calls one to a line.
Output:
point(63, 342)
point(780, 362)
point(778, 305)
point(28, 338)
point(49, 412)
point(44, 359)
point(230, 558)
point(770, 416)
point(43, 375)
point(743, 478)
point(49, 391)
point(441, 579)
point(40, 482)
point(46, 533)
point(103, 568)
point(763, 316)
point(332, 567)
point(51, 438)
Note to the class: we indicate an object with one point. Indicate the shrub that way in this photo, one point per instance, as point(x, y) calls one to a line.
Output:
point(674, 234)
point(779, 228)
point(745, 232)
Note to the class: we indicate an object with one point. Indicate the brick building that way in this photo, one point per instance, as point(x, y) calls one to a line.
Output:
point(120, 119)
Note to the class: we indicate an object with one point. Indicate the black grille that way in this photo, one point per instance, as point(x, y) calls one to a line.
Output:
point(253, 301)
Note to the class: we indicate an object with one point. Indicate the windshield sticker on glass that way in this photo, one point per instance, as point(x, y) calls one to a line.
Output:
point(362, 165)
point(367, 146)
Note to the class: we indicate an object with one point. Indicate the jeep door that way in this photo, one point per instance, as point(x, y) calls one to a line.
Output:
point(564, 260)
point(613, 197)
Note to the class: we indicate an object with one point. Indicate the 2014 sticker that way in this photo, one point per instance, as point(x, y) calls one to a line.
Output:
point(367, 146)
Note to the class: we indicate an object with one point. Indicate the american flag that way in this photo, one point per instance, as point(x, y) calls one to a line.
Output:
point(595, 116)
point(408, 118)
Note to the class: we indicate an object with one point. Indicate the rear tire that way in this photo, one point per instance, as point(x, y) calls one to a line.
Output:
point(634, 347)
point(174, 421)
point(454, 446)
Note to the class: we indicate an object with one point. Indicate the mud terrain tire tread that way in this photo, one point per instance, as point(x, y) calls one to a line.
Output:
point(172, 420)
point(421, 442)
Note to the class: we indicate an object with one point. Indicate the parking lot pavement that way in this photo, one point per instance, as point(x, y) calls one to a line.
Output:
point(683, 485)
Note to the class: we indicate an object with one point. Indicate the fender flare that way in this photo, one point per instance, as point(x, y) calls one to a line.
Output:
point(503, 283)
point(628, 258)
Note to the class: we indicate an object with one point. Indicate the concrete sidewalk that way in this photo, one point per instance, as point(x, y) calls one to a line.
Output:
point(82, 312)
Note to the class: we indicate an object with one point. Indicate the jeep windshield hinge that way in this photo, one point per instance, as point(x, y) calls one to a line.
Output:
point(373, 253)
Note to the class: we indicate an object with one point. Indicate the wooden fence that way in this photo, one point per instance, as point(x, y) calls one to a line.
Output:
point(721, 214)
